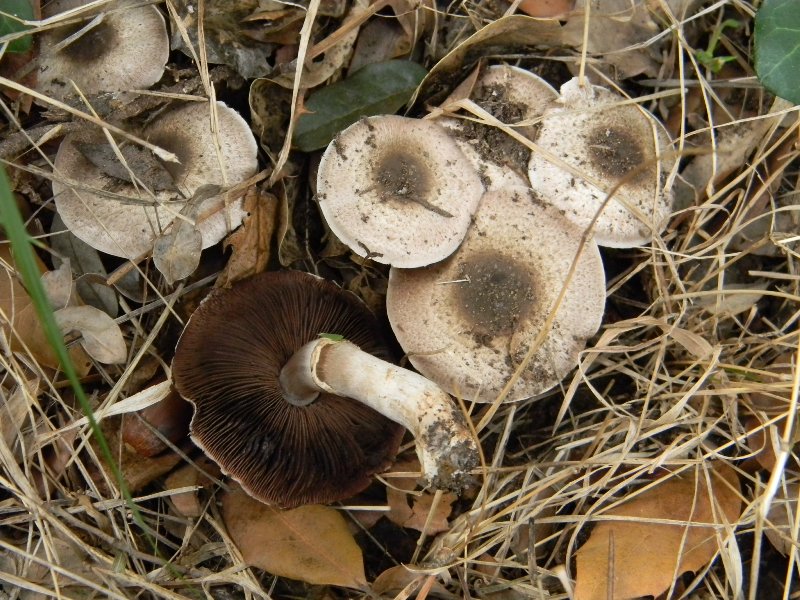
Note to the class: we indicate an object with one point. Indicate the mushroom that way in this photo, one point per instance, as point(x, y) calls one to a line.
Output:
point(472, 321)
point(397, 190)
point(123, 48)
point(611, 149)
point(512, 95)
point(298, 418)
point(119, 218)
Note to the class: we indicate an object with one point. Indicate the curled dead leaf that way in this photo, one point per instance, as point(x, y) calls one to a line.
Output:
point(20, 324)
point(250, 244)
point(100, 335)
point(417, 510)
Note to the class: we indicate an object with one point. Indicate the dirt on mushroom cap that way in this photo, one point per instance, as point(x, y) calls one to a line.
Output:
point(512, 95)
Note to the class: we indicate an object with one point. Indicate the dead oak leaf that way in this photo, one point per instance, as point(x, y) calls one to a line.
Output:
point(649, 553)
point(311, 543)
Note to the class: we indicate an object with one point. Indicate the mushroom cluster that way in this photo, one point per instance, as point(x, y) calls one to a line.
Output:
point(509, 311)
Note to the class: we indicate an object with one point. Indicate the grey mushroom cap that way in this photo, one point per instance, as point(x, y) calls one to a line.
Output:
point(128, 49)
point(468, 322)
point(397, 190)
point(607, 144)
point(513, 96)
point(120, 219)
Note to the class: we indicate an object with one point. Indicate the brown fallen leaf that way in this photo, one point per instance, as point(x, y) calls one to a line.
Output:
point(400, 582)
point(250, 243)
point(19, 323)
point(413, 509)
point(14, 411)
point(176, 253)
point(146, 429)
point(512, 31)
point(620, 31)
point(138, 471)
point(199, 474)
point(545, 9)
point(782, 516)
point(311, 543)
point(648, 555)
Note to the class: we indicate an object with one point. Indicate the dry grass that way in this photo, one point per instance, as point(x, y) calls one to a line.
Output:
point(685, 356)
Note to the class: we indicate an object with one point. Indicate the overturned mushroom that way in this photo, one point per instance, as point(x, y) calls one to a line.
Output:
point(512, 95)
point(295, 417)
point(397, 190)
point(615, 150)
point(124, 47)
point(121, 209)
point(470, 322)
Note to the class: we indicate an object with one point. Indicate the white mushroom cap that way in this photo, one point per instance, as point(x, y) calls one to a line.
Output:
point(397, 190)
point(127, 50)
point(512, 95)
point(607, 143)
point(87, 199)
point(468, 322)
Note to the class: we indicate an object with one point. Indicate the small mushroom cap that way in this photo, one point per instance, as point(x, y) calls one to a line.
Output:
point(608, 143)
point(512, 95)
point(128, 226)
point(227, 364)
point(468, 322)
point(127, 50)
point(397, 190)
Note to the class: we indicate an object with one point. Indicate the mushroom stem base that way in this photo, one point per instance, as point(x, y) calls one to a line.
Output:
point(446, 448)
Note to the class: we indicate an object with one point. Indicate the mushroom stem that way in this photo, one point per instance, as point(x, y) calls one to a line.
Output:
point(445, 446)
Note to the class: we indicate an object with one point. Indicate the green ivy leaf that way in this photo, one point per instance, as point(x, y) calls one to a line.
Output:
point(777, 48)
point(376, 89)
point(22, 9)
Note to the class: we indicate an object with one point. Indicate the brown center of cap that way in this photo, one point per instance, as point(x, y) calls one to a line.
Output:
point(498, 293)
point(99, 40)
point(614, 151)
point(401, 176)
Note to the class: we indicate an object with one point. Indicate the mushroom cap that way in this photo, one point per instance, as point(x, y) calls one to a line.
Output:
point(128, 227)
point(468, 322)
point(512, 95)
point(127, 50)
point(397, 190)
point(227, 363)
point(609, 143)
